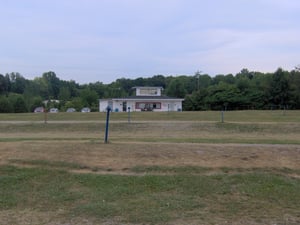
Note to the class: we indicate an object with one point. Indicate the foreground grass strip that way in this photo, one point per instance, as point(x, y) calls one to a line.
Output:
point(232, 116)
point(158, 140)
point(254, 196)
point(46, 139)
point(196, 170)
point(208, 140)
point(46, 163)
point(170, 170)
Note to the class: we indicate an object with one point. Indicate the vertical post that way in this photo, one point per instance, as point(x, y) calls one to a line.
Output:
point(128, 114)
point(108, 109)
point(45, 115)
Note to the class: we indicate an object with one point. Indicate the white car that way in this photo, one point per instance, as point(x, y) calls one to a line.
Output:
point(71, 110)
point(39, 109)
point(85, 110)
point(54, 110)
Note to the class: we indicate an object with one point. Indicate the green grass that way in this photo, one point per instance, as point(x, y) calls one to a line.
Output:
point(153, 199)
point(172, 170)
point(151, 194)
point(196, 170)
point(160, 140)
point(155, 131)
point(144, 126)
point(208, 140)
point(229, 116)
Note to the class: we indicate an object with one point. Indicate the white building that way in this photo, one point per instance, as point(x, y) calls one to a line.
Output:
point(146, 99)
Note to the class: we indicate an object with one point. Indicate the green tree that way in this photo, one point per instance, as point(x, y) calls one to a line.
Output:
point(5, 105)
point(72, 86)
point(156, 81)
point(224, 96)
point(42, 87)
point(295, 88)
point(189, 104)
point(53, 84)
point(64, 94)
point(204, 81)
point(245, 74)
point(36, 102)
point(243, 83)
point(18, 103)
point(99, 88)
point(261, 84)
point(114, 90)
point(200, 99)
point(17, 83)
point(3, 85)
point(218, 78)
point(280, 88)
point(76, 103)
point(89, 97)
point(176, 88)
point(139, 82)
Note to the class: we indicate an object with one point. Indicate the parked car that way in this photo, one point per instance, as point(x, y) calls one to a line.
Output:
point(39, 109)
point(71, 110)
point(85, 110)
point(54, 110)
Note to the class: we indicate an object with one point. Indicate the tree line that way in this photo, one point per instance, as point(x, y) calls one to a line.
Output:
point(244, 90)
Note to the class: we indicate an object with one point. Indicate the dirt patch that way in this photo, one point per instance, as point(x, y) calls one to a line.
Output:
point(33, 217)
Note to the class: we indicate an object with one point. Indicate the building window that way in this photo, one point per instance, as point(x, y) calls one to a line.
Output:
point(148, 91)
point(148, 106)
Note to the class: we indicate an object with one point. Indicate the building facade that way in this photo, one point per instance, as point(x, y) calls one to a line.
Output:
point(146, 99)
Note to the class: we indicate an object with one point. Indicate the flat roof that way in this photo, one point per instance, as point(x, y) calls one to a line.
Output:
point(148, 98)
point(144, 87)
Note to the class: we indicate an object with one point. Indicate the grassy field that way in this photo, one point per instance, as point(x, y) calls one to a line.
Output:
point(162, 168)
point(211, 116)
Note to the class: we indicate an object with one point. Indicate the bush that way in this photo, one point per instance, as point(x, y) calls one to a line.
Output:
point(5, 105)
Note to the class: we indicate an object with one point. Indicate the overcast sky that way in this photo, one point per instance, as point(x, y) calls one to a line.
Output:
point(103, 40)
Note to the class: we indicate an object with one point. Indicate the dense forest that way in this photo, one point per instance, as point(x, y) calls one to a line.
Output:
point(244, 90)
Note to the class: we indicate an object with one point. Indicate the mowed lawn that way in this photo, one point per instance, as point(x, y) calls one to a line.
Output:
point(158, 168)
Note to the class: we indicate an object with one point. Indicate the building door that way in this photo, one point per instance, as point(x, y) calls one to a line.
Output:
point(171, 107)
point(124, 106)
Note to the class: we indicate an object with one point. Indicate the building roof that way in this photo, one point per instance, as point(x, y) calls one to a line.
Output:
point(146, 87)
point(148, 98)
